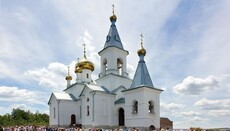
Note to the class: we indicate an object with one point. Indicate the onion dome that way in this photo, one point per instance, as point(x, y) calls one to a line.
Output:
point(68, 77)
point(113, 18)
point(77, 67)
point(84, 64)
point(141, 51)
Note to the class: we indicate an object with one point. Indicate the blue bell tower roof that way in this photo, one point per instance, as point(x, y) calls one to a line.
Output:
point(141, 77)
point(113, 38)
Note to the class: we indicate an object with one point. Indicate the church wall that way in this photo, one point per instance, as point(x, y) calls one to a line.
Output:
point(53, 119)
point(66, 109)
point(111, 54)
point(86, 75)
point(143, 118)
point(103, 109)
point(116, 114)
point(87, 107)
point(111, 82)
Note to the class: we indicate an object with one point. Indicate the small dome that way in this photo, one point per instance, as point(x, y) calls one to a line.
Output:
point(68, 77)
point(84, 64)
point(141, 51)
point(113, 18)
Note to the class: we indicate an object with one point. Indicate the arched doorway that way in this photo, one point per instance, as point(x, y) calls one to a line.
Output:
point(73, 119)
point(152, 128)
point(121, 117)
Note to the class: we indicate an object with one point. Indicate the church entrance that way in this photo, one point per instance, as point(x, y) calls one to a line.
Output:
point(73, 119)
point(121, 117)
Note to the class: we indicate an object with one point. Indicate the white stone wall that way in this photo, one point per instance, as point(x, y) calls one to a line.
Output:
point(112, 82)
point(63, 111)
point(66, 109)
point(53, 106)
point(143, 118)
point(111, 54)
point(116, 113)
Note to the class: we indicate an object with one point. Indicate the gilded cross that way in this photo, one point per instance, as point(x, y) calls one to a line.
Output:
point(84, 45)
point(142, 40)
point(68, 70)
point(113, 8)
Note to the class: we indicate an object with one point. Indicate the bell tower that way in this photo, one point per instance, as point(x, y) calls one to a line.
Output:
point(113, 60)
point(113, 56)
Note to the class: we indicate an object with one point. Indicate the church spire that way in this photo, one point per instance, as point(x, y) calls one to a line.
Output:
point(113, 38)
point(141, 77)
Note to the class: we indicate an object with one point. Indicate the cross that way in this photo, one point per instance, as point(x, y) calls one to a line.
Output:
point(84, 45)
point(113, 8)
point(68, 70)
point(142, 40)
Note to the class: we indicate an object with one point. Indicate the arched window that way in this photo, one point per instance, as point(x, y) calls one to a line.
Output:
point(87, 110)
point(105, 65)
point(120, 66)
point(151, 107)
point(135, 107)
point(87, 75)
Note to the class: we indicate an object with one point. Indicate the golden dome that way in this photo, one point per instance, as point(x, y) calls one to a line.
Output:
point(84, 64)
point(68, 77)
point(141, 51)
point(113, 18)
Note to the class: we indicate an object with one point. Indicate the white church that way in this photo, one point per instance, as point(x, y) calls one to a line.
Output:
point(113, 99)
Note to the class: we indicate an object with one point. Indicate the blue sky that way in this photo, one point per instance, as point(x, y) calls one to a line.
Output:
point(187, 45)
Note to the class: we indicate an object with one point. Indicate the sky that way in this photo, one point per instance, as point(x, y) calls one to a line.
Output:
point(187, 44)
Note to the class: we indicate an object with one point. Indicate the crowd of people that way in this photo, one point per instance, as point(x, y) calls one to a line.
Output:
point(47, 128)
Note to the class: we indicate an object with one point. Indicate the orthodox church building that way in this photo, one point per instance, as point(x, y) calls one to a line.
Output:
point(113, 99)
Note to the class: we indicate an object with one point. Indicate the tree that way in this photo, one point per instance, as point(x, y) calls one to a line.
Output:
point(22, 117)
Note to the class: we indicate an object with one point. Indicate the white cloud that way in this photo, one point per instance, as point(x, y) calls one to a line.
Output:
point(199, 119)
point(53, 76)
point(171, 106)
point(14, 94)
point(190, 113)
point(213, 104)
point(57, 67)
point(219, 112)
point(195, 86)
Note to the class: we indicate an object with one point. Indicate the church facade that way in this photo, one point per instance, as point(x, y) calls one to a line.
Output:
point(113, 99)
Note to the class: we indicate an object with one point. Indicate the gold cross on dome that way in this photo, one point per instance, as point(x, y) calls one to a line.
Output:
point(142, 40)
point(113, 8)
point(68, 70)
point(84, 45)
